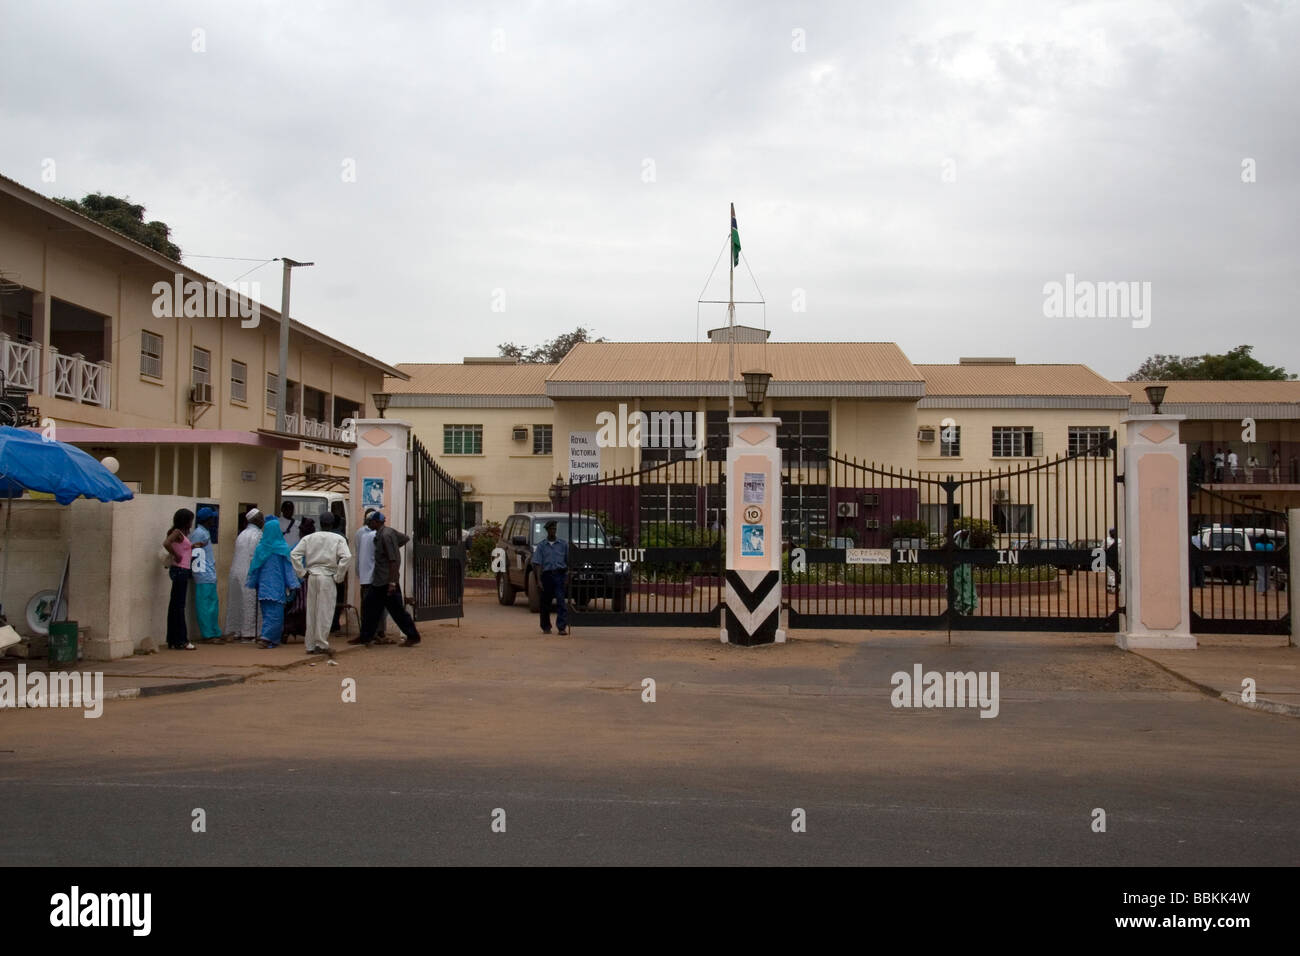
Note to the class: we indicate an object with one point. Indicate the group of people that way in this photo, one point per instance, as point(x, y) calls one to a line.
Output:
point(1226, 465)
point(272, 559)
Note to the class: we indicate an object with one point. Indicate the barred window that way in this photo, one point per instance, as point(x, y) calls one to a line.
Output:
point(950, 442)
point(201, 367)
point(272, 390)
point(1013, 519)
point(541, 439)
point(238, 381)
point(804, 436)
point(1089, 439)
point(462, 439)
point(1019, 441)
point(672, 502)
point(151, 352)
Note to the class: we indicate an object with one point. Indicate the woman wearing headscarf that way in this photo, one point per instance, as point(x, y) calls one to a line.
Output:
point(203, 565)
point(241, 616)
point(178, 543)
point(272, 577)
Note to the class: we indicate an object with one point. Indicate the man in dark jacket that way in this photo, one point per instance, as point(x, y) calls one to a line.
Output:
point(384, 592)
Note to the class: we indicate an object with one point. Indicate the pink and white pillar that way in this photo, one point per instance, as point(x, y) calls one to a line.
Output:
point(752, 614)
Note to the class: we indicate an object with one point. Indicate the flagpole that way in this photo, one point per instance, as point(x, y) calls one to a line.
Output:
point(731, 328)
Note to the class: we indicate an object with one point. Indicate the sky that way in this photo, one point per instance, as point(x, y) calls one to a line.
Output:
point(467, 174)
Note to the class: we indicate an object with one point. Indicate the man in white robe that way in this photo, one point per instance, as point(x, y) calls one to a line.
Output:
point(321, 557)
point(241, 605)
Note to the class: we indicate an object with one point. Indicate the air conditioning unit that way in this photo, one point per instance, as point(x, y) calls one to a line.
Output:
point(873, 524)
point(870, 501)
point(519, 433)
point(1001, 496)
point(202, 394)
point(847, 509)
point(925, 434)
point(314, 468)
point(466, 488)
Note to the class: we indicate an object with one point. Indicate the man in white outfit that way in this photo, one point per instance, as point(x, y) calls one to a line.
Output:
point(241, 604)
point(321, 557)
point(364, 543)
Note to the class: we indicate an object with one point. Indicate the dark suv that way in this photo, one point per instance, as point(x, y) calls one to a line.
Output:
point(595, 576)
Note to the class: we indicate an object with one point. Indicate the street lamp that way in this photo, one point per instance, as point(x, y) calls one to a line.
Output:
point(381, 401)
point(1155, 395)
point(756, 387)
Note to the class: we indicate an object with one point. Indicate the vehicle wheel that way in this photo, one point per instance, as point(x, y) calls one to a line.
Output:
point(534, 593)
point(505, 590)
point(620, 602)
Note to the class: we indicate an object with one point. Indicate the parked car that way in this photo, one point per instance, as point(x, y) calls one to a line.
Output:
point(586, 581)
point(1226, 538)
point(313, 504)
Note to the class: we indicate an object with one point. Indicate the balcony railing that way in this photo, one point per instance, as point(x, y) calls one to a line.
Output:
point(73, 377)
point(20, 362)
point(312, 428)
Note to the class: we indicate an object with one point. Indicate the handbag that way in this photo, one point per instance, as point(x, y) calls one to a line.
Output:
point(165, 556)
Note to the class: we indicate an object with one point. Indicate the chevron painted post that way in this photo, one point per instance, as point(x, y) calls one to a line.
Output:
point(751, 613)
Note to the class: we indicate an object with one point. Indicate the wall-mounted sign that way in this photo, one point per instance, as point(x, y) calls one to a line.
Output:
point(248, 476)
point(753, 514)
point(866, 556)
point(372, 492)
point(751, 541)
point(584, 457)
point(755, 488)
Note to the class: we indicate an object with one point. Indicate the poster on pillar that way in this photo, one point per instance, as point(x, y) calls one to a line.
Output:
point(754, 510)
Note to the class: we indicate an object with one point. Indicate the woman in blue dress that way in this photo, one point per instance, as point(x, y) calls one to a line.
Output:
point(272, 576)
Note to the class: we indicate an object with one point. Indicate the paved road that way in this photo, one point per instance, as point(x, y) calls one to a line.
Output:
point(556, 734)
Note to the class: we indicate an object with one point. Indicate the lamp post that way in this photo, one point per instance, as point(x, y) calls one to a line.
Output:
point(756, 388)
point(1156, 396)
point(381, 400)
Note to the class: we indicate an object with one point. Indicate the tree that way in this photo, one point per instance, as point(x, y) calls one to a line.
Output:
point(549, 352)
point(1234, 365)
point(126, 217)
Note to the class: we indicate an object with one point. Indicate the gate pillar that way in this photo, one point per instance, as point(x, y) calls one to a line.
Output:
point(752, 611)
point(1155, 536)
point(380, 465)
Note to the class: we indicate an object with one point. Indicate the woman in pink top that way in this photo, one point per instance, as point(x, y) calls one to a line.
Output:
point(178, 542)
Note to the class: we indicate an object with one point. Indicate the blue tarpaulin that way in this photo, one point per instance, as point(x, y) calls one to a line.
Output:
point(30, 461)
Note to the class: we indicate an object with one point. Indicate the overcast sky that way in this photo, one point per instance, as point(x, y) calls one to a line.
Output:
point(909, 172)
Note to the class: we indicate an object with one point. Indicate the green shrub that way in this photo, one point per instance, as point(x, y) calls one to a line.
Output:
point(982, 532)
point(480, 548)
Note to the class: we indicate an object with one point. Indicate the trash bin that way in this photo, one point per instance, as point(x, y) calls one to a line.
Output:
point(63, 642)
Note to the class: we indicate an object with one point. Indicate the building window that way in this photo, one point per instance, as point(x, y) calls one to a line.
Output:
point(238, 381)
point(151, 351)
point(541, 439)
point(950, 442)
point(1016, 442)
point(272, 389)
point(528, 507)
point(668, 436)
point(201, 367)
point(462, 439)
point(1089, 439)
point(804, 513)
point(669, 502)
point(804, 436)
point(716, 433)
point(1013, 519)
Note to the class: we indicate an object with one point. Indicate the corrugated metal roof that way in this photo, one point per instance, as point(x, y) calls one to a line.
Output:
point(1059, 380)
point(816, 362)
point(1203, 392)
point(457, 379)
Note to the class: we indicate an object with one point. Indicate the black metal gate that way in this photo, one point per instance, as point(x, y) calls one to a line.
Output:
point(1238, 565)
point(658, 561)
point(437, 551)
point(1009, 549)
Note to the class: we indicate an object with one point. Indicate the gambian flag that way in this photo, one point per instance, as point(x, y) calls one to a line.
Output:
point(735, 238)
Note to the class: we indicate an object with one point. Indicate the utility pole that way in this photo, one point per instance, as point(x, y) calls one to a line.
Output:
point(282, 385)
